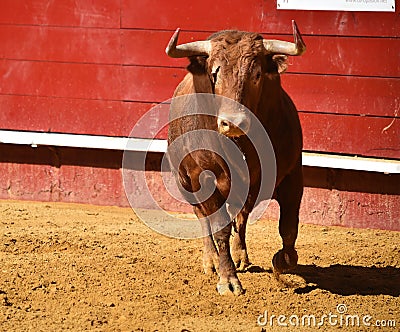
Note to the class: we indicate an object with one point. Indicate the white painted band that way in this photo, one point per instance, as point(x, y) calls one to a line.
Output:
point(342, 5)
point(35, 139)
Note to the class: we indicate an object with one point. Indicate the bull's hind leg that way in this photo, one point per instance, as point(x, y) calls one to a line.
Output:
point(289, 194)
point(239, 248)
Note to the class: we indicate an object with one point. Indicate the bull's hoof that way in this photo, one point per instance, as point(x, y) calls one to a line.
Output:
point(242, 265)
point(284, 261)
point(231, 287)
point(240, 259)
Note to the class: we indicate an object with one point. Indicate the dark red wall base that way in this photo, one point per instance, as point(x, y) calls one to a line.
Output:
point(331, 197)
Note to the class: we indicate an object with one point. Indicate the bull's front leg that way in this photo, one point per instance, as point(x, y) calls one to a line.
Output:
point(217, 223)
point(210, 253)
point(228, 280)
point(239, 248)
point(219, 227)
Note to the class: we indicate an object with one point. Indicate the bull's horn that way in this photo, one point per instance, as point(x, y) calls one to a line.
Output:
point(287, 48)
point(202, 47)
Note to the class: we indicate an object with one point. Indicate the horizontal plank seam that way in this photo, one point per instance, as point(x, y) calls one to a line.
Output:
point(126, 28)
point(394, 116)
point(133, 101)
point(62, 26)
point(126, 65)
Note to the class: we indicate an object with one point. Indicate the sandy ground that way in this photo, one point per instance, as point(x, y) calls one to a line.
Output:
point(78, 267)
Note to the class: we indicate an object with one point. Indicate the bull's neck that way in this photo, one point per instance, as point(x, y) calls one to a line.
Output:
point(270, 101)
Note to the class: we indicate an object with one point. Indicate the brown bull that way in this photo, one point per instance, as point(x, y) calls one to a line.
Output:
point(246, 68)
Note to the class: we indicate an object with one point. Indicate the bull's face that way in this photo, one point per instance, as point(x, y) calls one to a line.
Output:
point(236, 72)
point(236, 64)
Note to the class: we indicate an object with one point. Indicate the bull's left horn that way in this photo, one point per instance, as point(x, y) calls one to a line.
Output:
point(286, 48)
point(173, 50)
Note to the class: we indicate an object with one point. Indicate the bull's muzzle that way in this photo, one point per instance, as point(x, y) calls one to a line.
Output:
point(233, 125)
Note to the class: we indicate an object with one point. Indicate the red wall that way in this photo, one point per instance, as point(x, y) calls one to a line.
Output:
point(94, 67)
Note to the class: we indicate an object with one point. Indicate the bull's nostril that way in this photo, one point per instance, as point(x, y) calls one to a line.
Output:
point(224, 124)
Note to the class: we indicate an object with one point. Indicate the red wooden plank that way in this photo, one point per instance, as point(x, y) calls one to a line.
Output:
point(310, 92)
point(331, 22)
point(83, 13)
point(77, 116)
point(325, 55)
point(322, 132)
point(146, 47)
point(350, 56)
point(355, 135)
point(344, 95)
point(314, 93)
point(149, 84)
point(148, 120)
point(88, 81)
point(330, 94)
point(60, 44)
point(254, 16)
point(208, 15)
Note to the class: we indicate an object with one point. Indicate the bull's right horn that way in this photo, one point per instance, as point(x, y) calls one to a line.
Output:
point(202, 47)
point(284, 47)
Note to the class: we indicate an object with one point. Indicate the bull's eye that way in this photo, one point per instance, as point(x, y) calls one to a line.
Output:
point(214, 74)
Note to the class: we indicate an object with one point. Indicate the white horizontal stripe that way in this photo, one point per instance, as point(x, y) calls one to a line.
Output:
point(35, 139)
point(82, 141)
point(389, 166)
point(345, 5)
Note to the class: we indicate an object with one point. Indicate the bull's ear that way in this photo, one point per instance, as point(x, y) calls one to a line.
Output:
point(198, 65)
point(280, 62)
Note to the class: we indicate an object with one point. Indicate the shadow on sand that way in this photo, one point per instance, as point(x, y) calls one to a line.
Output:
point(350, 280)
point(345, 279)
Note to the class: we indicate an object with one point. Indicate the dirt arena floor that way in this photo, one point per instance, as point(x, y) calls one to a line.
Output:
point(78, 267)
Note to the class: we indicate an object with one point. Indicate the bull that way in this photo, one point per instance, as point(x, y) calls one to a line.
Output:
point(243, 67)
